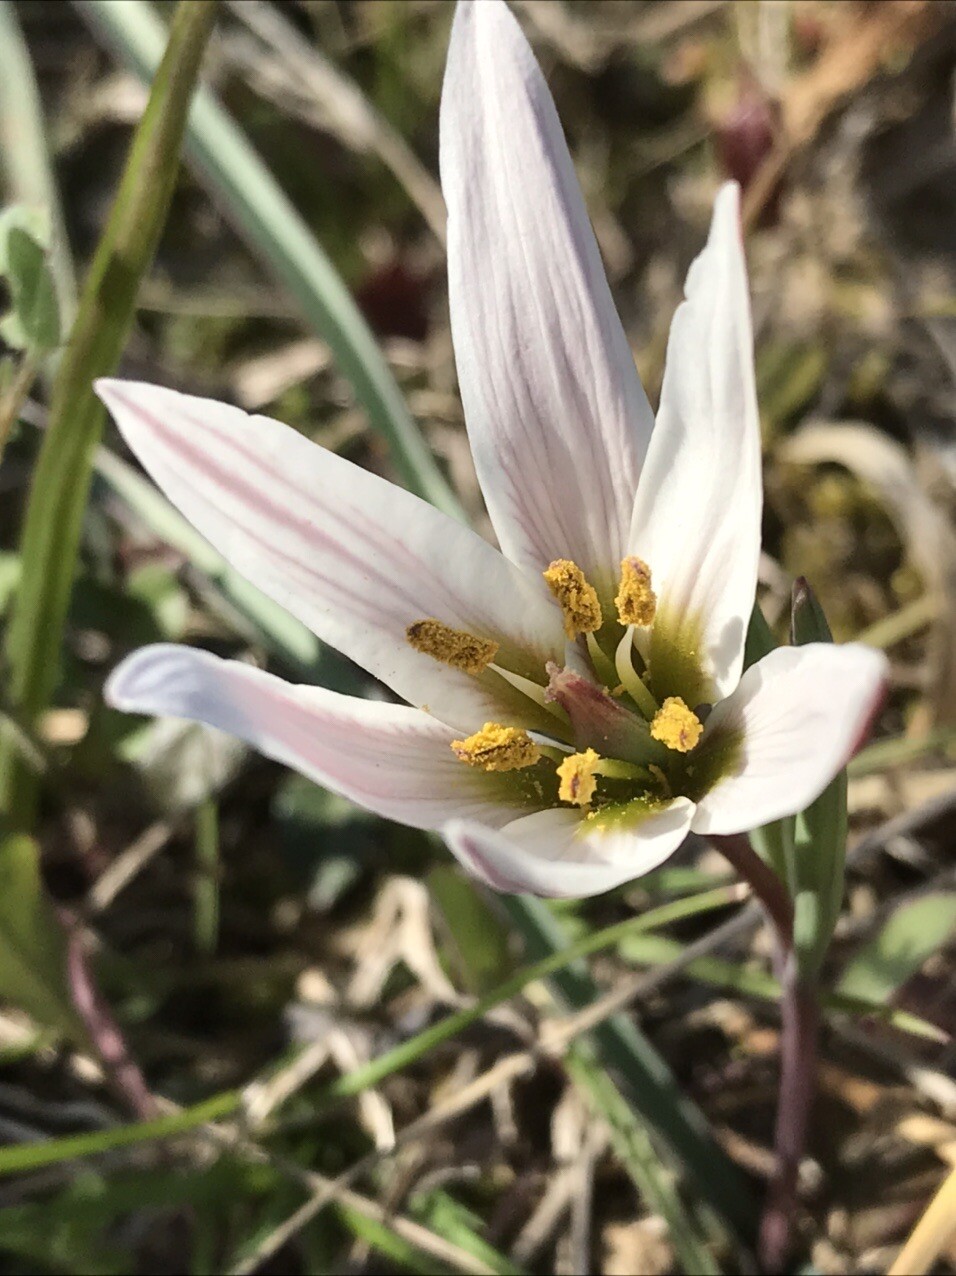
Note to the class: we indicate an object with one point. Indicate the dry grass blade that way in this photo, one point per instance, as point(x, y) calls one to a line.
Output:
point(887, 468)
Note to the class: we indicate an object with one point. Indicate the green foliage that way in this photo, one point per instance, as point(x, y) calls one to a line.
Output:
point(51, 534)
point(475, 931)
point(904, 942)
point(278, 234)
point(32, 943)
point(817, 866)
point(33, 323)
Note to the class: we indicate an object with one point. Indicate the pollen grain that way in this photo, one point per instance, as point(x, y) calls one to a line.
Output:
point(676, 726)
point(578, 599)
point(497, 748)
point(636, 602)
point(455, 647)
point(576, 774)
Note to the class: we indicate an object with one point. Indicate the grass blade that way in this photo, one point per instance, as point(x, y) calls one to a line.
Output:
point(51, 535)
point(253, 201)
point(22, 1157)
point(25, 153)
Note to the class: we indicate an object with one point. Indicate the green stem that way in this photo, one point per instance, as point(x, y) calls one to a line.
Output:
point(58, 496)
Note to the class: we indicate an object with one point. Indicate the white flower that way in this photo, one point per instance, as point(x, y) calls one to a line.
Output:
point(558, 750)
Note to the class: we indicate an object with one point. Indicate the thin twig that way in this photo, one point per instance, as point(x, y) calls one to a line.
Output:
point(105, 1035)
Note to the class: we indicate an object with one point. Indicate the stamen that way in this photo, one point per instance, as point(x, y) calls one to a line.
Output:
point(497, 748)
point(578, 600)
point(676, 726)
point(636, 602)
point(624, 662)
point(455, 647)
point(603, 665)
point(576, 774)
point(533, 690)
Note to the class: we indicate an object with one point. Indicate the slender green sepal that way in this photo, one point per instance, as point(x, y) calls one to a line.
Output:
point(58, 495)
point(817, 864)
point(773, 842)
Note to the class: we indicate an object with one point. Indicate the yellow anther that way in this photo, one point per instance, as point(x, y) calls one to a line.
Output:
point(576, 774)
point(676, 726)
point(455, 647)
point(636, 602)
point(497, 748)
point(579, 600)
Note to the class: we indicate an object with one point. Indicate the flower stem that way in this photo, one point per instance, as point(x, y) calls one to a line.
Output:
point(800, 1023)
point(800, 1014)
point(762, 880)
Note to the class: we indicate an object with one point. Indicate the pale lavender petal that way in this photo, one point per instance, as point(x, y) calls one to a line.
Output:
point(697, 514)
point(352, 556)
point(545, 854)
point(801, 711)
point(557, 418)
point(390, 758)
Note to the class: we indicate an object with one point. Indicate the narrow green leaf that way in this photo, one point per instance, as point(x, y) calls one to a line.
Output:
point(441, 1213)
point(58, 495)
point(907, 939)
point(475, 930)
point(388, 1242)
point(749, 981)
point(32, 943)
point(23, 1157)
point(254, 202)
point(25, 155)
point(759, 641)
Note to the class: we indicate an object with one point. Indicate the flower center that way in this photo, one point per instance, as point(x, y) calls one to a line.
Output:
point(634, 751)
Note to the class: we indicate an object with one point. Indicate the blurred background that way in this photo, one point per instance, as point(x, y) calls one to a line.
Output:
point(250, 929)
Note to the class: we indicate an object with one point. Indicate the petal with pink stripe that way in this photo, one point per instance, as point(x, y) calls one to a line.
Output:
point(393, 759)
point(352, 556)
point(556, 414)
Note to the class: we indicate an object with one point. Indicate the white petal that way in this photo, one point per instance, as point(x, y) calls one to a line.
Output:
point(352, 556)
point(557, 418)
point(392, 759)
point(697, 514)
point(543, 853)
point(802, 711)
